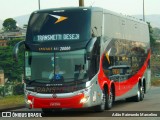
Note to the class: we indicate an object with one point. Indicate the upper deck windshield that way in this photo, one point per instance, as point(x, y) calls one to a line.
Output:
point(56, 25)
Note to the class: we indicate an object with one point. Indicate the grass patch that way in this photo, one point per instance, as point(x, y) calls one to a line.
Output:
point(155, 81)
point(9, 101)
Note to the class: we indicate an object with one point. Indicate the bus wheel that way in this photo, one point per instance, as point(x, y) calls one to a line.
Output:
point(109, 100)
point(57, 109)
point(101, 107)
point(140, 93)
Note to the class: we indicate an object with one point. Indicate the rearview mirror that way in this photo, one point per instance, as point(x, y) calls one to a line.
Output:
point(16, 50)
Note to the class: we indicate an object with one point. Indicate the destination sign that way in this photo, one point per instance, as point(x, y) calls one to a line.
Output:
point(53, 37)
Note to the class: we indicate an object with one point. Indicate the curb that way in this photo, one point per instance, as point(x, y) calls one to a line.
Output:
point(3, 109)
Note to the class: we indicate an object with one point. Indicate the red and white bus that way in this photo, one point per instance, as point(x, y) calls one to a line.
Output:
point(84, 57)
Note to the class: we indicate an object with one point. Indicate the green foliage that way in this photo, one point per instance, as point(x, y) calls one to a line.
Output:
point(156, 33)
point(12, 70)
point(9, 24)
point(14, 41)
point(152, 39)
point(14, 88)
point(18, 89)
point(1, 91)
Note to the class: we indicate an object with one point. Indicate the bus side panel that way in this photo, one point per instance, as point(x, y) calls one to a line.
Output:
point(127, 31)
point(112, 29)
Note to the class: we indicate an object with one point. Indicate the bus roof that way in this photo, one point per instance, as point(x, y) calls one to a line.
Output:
point(63, 9)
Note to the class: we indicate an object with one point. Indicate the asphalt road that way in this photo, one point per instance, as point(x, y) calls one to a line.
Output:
point(150, 104)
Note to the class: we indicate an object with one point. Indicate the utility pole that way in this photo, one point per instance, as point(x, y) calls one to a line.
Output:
point(39, 4)
point(81, 2)
point(143, 12)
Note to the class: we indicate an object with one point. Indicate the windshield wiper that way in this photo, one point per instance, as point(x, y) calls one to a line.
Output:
point(31, 81)
point(34, 81)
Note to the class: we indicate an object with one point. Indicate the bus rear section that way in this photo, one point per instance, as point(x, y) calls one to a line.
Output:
point(125, 57)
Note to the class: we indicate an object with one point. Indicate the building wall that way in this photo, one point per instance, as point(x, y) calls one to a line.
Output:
point(3, 43)
point(1, 77)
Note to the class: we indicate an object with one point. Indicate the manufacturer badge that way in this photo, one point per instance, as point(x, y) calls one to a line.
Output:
point(54, 96)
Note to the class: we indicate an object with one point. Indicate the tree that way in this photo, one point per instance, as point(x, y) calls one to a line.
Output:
point(156, 33)
point(152, 39)
point(12, 70)
point(9, 24)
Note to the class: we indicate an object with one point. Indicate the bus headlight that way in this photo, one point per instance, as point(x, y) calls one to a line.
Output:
point(29, 102)
point(84, 99)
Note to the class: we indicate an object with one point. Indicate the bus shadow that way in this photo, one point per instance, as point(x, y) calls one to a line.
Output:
point(70, 113)
point(87, 112)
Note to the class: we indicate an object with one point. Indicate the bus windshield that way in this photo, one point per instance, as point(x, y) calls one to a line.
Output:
point(56, 67)
point(59, 26)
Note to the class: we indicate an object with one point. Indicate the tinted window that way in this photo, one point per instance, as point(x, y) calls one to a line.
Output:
point(66, 25)
point(124, 58)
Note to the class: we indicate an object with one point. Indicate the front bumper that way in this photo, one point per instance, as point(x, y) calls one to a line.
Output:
point(68, 102)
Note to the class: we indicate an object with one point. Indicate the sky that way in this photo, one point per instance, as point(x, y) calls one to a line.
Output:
point(14, 8)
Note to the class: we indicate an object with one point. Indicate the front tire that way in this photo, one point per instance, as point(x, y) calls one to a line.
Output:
point(107, 101)
point(57, 109)
point(47, 110)
point(101, 107)
point(51, 110)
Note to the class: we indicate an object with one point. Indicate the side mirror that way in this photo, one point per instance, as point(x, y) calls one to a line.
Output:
point(16, 49)
point(90, 48)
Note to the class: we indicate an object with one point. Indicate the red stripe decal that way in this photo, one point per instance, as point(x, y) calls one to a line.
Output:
point(126, 85)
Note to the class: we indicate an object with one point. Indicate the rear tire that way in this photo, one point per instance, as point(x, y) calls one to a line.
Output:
point(140, 93)
point(109, 100)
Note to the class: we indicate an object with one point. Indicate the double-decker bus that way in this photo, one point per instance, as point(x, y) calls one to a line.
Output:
point(84, 57)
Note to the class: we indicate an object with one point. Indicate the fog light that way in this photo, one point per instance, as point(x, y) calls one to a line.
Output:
point(85, 99)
